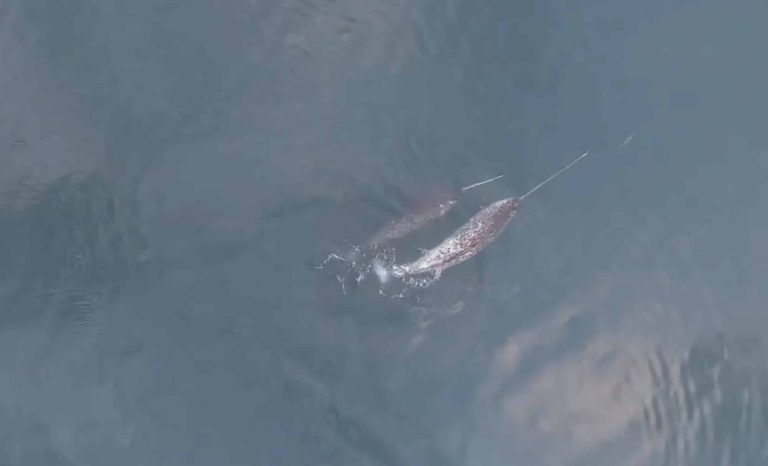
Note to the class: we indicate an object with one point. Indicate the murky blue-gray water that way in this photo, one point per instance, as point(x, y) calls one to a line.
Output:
point(170, 172)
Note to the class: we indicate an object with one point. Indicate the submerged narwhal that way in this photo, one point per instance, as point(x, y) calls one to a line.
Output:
point(472, 237)
point(411, 221)
point(419, 217)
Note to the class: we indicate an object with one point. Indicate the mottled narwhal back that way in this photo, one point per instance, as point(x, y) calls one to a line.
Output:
point(487, 224)
point(481, 230)
point(471, 238)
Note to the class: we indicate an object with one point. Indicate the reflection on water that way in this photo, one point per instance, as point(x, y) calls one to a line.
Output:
point(711, 408)
point(561, 390)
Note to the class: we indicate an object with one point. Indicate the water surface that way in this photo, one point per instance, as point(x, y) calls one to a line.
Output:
point(170, 172)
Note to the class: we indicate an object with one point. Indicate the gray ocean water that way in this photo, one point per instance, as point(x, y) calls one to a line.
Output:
point(172, 171)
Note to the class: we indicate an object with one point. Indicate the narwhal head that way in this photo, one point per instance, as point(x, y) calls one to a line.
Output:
point(503, 211)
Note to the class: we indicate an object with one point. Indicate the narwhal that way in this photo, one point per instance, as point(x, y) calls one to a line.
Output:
point(472, 237)
point(362, 257)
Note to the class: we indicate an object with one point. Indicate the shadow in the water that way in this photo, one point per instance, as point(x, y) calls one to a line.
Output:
point(69, 251)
